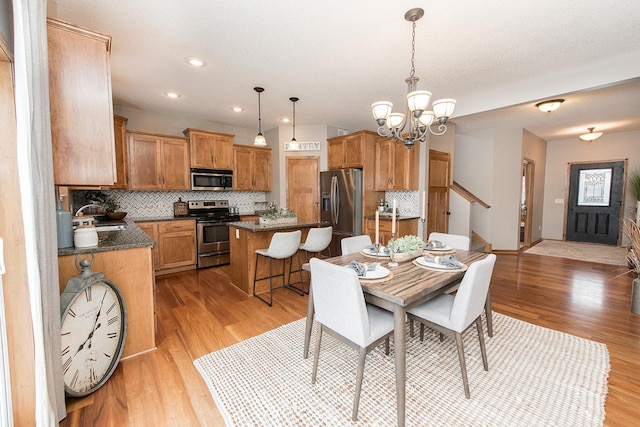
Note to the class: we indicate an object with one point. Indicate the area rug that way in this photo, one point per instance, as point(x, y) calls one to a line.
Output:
point(591, 252)
point(536, 377)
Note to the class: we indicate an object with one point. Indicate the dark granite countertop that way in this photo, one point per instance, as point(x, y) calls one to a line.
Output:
point(387, 217)
point(132, 237)
point(256, 228)
point(163, 218)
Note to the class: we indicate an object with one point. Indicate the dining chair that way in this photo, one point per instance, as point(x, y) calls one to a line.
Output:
point(463, 243)
point(353, 244)
point(340, 310)
point(318, 239)
point(451, 315)
point(283, 245)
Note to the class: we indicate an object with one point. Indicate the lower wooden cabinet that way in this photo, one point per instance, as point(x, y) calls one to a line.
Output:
point(404, 227)
point(175, 243)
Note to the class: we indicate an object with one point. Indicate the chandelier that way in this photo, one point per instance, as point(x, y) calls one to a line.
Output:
point(416, 114)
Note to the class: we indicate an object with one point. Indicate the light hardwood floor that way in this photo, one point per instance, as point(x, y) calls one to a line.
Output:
point(200, 311)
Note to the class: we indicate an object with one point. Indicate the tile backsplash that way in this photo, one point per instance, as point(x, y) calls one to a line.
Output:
point(408, 202)
point(144, 204)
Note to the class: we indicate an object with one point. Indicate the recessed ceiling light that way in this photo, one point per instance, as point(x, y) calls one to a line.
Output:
point(172, 95)
point(196, 62)
point(237, 109)
point(285, 119)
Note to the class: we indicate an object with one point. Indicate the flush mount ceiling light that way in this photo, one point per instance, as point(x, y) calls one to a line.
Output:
point(172, 95)
point(260, 140)
point(293, 145)
point(591, 136)
point(416, 113)
point(195, 62)
point(550, 105)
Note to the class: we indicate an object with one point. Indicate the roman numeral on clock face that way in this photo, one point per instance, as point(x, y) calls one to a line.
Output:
point(113, 320)
point(87, 293)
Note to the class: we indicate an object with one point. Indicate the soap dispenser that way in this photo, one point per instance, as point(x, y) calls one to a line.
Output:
point(64, 226)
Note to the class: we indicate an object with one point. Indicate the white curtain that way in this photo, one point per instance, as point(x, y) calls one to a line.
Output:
point(35, 164)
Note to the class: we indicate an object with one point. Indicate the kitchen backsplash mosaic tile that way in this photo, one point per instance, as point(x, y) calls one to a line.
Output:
point(408, 202)
point(143, 204)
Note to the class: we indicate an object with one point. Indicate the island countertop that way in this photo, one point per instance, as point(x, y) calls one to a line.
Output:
point(256, 227)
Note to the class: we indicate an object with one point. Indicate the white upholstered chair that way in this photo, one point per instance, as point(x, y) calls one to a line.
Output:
point(451, 315)
point(281, 246)
point(318, 239)
point(340, 309)
point(350, 245)
point(463, 243)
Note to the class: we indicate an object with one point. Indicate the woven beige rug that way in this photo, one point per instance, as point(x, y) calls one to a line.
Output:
point(591, 252)
point(536, 377)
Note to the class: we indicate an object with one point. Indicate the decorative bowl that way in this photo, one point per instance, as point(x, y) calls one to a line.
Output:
point(406, 256)
point(115, 215)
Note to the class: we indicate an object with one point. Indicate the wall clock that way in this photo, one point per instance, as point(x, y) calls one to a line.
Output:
point(93, 329)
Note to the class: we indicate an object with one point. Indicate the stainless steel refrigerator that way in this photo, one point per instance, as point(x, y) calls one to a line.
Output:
point(341, 195)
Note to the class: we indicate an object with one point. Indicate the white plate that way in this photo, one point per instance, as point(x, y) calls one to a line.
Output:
point(372, 252)
point(432, 264)
point(443, 249)
point(378, 273)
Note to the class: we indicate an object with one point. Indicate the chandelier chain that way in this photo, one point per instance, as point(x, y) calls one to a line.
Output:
point(413, 50)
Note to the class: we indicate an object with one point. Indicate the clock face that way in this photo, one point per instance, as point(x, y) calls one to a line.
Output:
point(93, 329)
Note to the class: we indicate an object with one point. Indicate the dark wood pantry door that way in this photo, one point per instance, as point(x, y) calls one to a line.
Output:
point(594, 203)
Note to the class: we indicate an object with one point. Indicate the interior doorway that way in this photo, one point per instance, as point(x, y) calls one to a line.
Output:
point(438, 194)
point(526, 202)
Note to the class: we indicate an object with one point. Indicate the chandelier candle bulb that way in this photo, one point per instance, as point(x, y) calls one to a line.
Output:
point(424, 205)
point(377, 228)
point(393, 217)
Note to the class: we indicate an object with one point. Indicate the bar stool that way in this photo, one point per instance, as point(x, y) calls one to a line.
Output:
point(282, 246)
point(318, 239)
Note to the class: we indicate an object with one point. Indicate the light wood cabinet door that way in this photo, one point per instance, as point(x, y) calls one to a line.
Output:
point(176, 244)
point(151, 228)
point(80, 105)
point(349, 151)
point(122, 155)
point(158, 162)
point(210, 150)
point(335, 153)
point(145, 170)
point(353, 148)
point(175, 164)
point(397, 167)
point(252, 168)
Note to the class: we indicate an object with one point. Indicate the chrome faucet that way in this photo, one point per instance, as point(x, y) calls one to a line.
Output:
point(80, 211)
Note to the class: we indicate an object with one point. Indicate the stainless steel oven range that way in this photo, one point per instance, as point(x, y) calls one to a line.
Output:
point(212, 231)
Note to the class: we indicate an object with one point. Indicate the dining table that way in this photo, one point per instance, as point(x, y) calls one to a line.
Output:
point(408, 284)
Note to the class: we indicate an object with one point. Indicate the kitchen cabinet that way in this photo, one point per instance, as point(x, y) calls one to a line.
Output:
point(81, 105)
point(404, 227)
point(175, 244)
point(158, 162)
point(122, 156)
point(348, 151)
point(210, 150)
point(252, 168)
point(397, 167)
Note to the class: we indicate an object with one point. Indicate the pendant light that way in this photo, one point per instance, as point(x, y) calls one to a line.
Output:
point(260, 141)
point(293, 145)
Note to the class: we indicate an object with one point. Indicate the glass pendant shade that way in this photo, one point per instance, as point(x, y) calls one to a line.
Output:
point(395, 120)
point(381, 110)
point(426, 118)
point(418, 100)
point(260, 141)
point(444, 107)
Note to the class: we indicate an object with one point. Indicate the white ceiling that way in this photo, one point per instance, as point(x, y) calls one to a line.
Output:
point(496, 57)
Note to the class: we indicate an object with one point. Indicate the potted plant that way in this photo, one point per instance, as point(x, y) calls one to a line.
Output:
point(634, 185)
point(109, 204)
point(632, 229)
point(406, 248)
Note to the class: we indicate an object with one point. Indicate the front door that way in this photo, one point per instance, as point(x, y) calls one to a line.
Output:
point(303, 193)
point(594, 203)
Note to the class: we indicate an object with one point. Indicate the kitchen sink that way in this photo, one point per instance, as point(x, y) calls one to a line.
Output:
point(115, 225)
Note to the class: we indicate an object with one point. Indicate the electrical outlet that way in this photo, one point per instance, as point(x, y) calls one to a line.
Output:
point(237, 233)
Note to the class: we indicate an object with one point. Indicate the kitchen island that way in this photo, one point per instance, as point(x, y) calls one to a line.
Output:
point(246, 237)
point(124, 257)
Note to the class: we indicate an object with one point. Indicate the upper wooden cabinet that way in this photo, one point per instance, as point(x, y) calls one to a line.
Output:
point(158, 162)
point(122, 156)
point(81, 105)
point(348, 151)
point(397, 167)
point(210, 150)
point(252, 168)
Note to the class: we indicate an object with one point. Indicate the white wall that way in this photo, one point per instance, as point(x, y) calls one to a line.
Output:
point(610, 146)
point(535, 149)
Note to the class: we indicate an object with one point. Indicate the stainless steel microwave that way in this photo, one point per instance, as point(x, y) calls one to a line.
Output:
point(211, 180)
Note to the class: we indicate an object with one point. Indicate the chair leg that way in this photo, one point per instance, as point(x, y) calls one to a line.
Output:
point(483, 348)
point(411, 328)
point(360, 374)
point(316, 352)
point(463, 365)
point(487, 311)
point(255, 275)
point(386, 346)
point(289, 285)
point(421, 331)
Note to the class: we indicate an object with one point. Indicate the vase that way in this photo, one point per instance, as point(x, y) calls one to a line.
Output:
point(635, 296)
